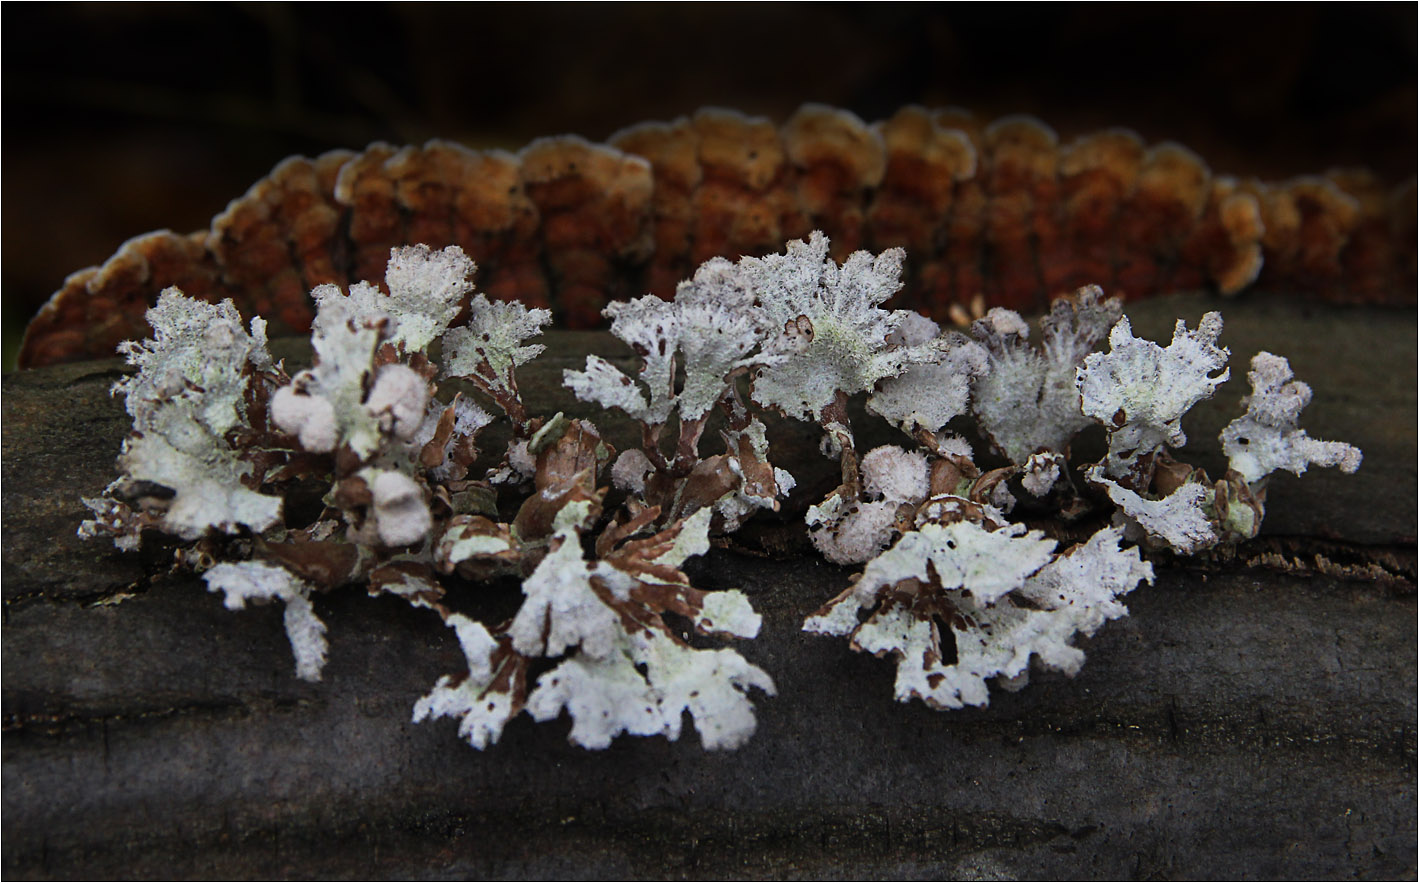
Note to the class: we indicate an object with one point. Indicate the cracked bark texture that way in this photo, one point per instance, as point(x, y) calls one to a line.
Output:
point(1246, 721)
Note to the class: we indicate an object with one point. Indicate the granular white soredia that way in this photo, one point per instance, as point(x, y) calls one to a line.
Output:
point(895, 474)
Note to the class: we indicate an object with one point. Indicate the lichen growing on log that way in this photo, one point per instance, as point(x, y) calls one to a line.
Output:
point(959, 589)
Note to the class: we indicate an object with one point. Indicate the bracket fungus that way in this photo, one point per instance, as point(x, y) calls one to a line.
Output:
point(1001, 213)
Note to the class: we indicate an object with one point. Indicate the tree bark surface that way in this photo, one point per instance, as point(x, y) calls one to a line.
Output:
point(1253, 717)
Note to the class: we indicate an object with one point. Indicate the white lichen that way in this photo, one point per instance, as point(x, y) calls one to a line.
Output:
point(688, 348)
point(1180, 519)
point(719, 325)
point(756, 489)
point(1041, 471)
point(469, 418)
point(193, 373)
point(604, 695)
point(729, 612)
point(847, 532)
point(606, 385)
point(481, 707)
point(829, 334)
point(1266, 438)
point(311, 419)
point(709, 684)
point(1025, 398)
point(954, 591)
point(189, 393)
point(895, 474)
point(1140, 391)
point(971, 590)
point(630, 469)
point(401, 514)
point(345, 334)
point(614, 678)
point(929, 395)
point(242, 582)
point(397, 401)
point(491, 345)
point(562, 609)
point(426, 291)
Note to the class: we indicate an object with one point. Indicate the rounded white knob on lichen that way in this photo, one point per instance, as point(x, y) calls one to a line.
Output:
point(398, 400)
point(311, 419)
point(898, 475)
point(401, 515)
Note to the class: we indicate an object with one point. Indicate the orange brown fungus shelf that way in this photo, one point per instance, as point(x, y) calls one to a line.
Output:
point(1000, 210)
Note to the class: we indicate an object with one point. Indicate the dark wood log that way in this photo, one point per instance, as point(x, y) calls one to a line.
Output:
point(1248, 720)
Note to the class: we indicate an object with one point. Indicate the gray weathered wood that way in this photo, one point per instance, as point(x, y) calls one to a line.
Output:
point(1242, 723)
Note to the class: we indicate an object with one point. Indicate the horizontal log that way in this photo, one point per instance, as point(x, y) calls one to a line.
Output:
point(1243, 722)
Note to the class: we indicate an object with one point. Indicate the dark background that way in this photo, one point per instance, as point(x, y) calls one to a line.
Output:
point(124, 118)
